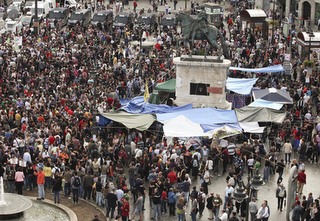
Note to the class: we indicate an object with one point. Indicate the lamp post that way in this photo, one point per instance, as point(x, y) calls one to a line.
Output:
point(273, 18)
point(93, 74)
point(139, 27)
point(311, 35)
point(240, 194)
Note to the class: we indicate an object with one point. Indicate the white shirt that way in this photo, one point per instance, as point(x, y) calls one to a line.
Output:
point(224, 217)
point(209, 164)
point(229, 190)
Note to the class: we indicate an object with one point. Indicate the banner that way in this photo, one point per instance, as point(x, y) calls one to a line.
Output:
point(17, 41)
point(146, 92)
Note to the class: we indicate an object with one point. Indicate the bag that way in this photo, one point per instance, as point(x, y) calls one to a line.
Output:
point(199, 197)
point(76, 182)
point(281, 192)
point(231, 181)
point(11, 175)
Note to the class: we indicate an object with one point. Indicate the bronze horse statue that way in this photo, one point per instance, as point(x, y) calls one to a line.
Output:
point(187, 29)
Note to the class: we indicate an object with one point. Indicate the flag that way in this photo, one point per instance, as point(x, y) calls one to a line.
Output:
point(146, 92)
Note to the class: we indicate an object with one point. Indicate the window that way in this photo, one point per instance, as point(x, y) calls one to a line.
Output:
point(199, 89)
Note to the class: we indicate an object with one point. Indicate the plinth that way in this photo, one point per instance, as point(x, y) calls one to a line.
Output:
point(201, 81)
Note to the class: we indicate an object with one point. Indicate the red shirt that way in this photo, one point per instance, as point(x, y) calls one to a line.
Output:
point(51, 140)
point(40, 179)
point(172, 176)
point(125, 209)
point(295, 132)
point(302, 177)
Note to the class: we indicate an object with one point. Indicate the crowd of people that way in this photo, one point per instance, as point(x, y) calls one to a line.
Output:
point(47, 120)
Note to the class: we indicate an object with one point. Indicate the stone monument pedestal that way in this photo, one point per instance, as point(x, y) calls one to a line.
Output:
point(201, 81)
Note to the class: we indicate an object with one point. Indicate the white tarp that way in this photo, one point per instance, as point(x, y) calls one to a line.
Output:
point(240, 85)
point(251, 127)
point(263, 103)
point(182, 127)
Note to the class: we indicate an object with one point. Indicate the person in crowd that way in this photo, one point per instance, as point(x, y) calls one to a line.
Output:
point(75, 185)
point(40, 181)
point(57, 187)
point(281, 194)
point(263, 212)
point(253, 209)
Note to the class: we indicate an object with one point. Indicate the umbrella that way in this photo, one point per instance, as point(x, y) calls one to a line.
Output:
point(224, 131)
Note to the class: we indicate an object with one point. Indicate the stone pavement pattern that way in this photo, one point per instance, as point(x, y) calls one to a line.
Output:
point(85, 211)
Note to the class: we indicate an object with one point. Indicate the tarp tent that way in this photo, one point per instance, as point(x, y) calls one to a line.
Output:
point(203, 116)
point(271, 69)
point(182, 127)
point(138, 121)
point(169, 86)
point(240, 85)
point(251, 127)
point(211, 127)
point(138, 106)
point(260, 114)
point(154, 98)
point(272, 95)
point(268, 104)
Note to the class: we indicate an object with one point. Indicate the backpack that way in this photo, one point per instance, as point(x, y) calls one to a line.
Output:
point(231, 181)
point(200, 197)
point(121, 177)
point(281, 192)
point(11, 175)
point(76, 182)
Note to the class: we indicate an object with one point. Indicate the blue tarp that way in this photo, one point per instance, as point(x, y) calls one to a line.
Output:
point(240, 85)
point(203, 116)
point(209, 127)
point(271, 69)
point(264, 103)
point(138, 106)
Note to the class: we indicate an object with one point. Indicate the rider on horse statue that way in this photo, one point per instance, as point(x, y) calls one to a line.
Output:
point(201, 22)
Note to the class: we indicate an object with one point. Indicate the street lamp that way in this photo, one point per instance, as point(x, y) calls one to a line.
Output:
point(240, 194)
point(274, 2)
point(140, 27)
point(93, 74)
point(311, 35)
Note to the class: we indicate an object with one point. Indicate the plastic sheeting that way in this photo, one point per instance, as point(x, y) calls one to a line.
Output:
point(211, 127)
point(260, 114)
point(138, 106)
point(271, 69)
point(268, 104)
point(203, 116)
point(251, 127)
point(272, 95)
point(169, 86)
point(182, 127)
point(241, 85)
point(138, 121)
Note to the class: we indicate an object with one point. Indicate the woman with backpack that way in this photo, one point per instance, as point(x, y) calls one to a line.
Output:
point(56, 187)
point(11, 179)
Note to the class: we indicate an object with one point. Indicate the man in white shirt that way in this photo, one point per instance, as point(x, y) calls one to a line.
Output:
point(224, 216)
point(27, 156)
point(138, 153)
point(229, 189)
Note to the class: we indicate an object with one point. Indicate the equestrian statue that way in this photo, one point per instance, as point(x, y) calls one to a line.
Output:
point(200, 29)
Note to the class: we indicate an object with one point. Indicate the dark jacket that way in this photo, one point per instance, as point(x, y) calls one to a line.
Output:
point(57, 184)
point(88, 181)
point(112, 199)
point(209, 202)
point(297, 213)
